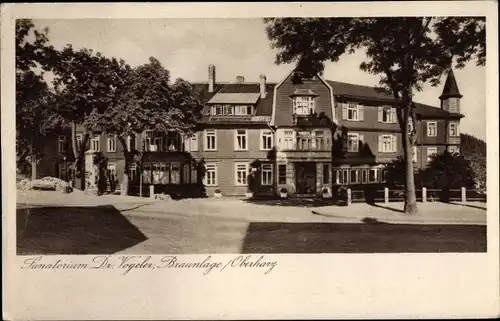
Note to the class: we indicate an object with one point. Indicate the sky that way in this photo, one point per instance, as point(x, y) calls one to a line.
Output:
point(237, 47)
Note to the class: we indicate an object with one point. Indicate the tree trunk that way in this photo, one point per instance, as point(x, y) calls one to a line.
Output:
point(79, 160)
point(410, 195)
point(410, 206)
point(33, 162)
point(128, 155)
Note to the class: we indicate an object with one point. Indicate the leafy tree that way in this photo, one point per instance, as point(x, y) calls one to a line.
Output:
point(406, 52)
point(34, 111)
point(147, 100)
point(86, 83)
point(474, 150)
point(448, 171)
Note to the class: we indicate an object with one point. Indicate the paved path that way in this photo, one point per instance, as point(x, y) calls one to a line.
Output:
point(78, 224)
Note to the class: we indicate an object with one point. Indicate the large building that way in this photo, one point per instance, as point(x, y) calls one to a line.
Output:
point(304, 135)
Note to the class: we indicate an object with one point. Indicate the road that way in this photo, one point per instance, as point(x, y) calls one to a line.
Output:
point(106, 230)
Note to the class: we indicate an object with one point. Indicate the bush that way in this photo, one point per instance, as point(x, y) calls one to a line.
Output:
point(283, 190)
point(325, 191)
point(44, 184)
point(217, 191)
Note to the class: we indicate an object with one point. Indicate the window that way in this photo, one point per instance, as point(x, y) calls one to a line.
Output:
point(282, 174)
point(148, 141)
point(286, 143)
point(94, 143)
point(354, 176)
point(453, 129)
point(243, 110)
point(387, 115)
point(326, 173)
point(303, 105)
point(383, 178)
point(267, 174)
point(194, 175)
point(414, 154)
point(453, 150)
point(62, 171)
point(133, 172)
point(111, 143)
point(241, 172)
point(387, 143)
point(175, 173)
point(191, 143)
point(158, 142)
point(431, 129)
point(266, 140)
point(131, 139)
point(304, 140)
point(62, 144)
point(352, 111)
point(240, 142)
point(352, 142)
point(231, 110)
point(364, 176)
point(372, 175)
point(79, 141)
point(431, 152)
point(210, 139)
point(320, 142)
point(172, 140)
point(344, 177)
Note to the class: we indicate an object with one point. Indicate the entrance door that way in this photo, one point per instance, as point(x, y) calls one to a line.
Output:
point(305, 176)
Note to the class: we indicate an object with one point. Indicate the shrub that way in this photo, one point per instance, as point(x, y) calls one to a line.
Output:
point(217, 191)
point(283, 190)
point(325, 191)
point(45, 184)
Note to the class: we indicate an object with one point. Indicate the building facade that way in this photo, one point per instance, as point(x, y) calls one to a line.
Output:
point(304, 135)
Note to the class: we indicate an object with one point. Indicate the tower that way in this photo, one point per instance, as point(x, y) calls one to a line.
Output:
point(450, 98)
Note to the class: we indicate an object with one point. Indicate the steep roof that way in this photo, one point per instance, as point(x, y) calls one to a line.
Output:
point(371, 93)
point(450, 88)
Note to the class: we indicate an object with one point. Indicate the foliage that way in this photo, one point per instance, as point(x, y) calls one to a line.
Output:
point(34, 100)
point(474, 150)
point(405, 51)
point(447, 171)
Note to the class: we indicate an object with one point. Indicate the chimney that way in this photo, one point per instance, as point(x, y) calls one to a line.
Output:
point(211, 78)
point(263, 86)
point(240, 79)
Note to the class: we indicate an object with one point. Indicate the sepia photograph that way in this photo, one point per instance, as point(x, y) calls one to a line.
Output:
point(250, 160)
point(308, 135)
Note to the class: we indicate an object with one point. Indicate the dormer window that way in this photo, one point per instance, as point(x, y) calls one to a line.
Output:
point(303, 105)
point(230, 110)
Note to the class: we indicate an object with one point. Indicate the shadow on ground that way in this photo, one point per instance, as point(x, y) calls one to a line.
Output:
point(469, 205)
point(299, 202)
point(371, 237)
point(74, 230)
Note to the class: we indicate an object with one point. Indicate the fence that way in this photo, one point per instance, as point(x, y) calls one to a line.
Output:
point(424, 195)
